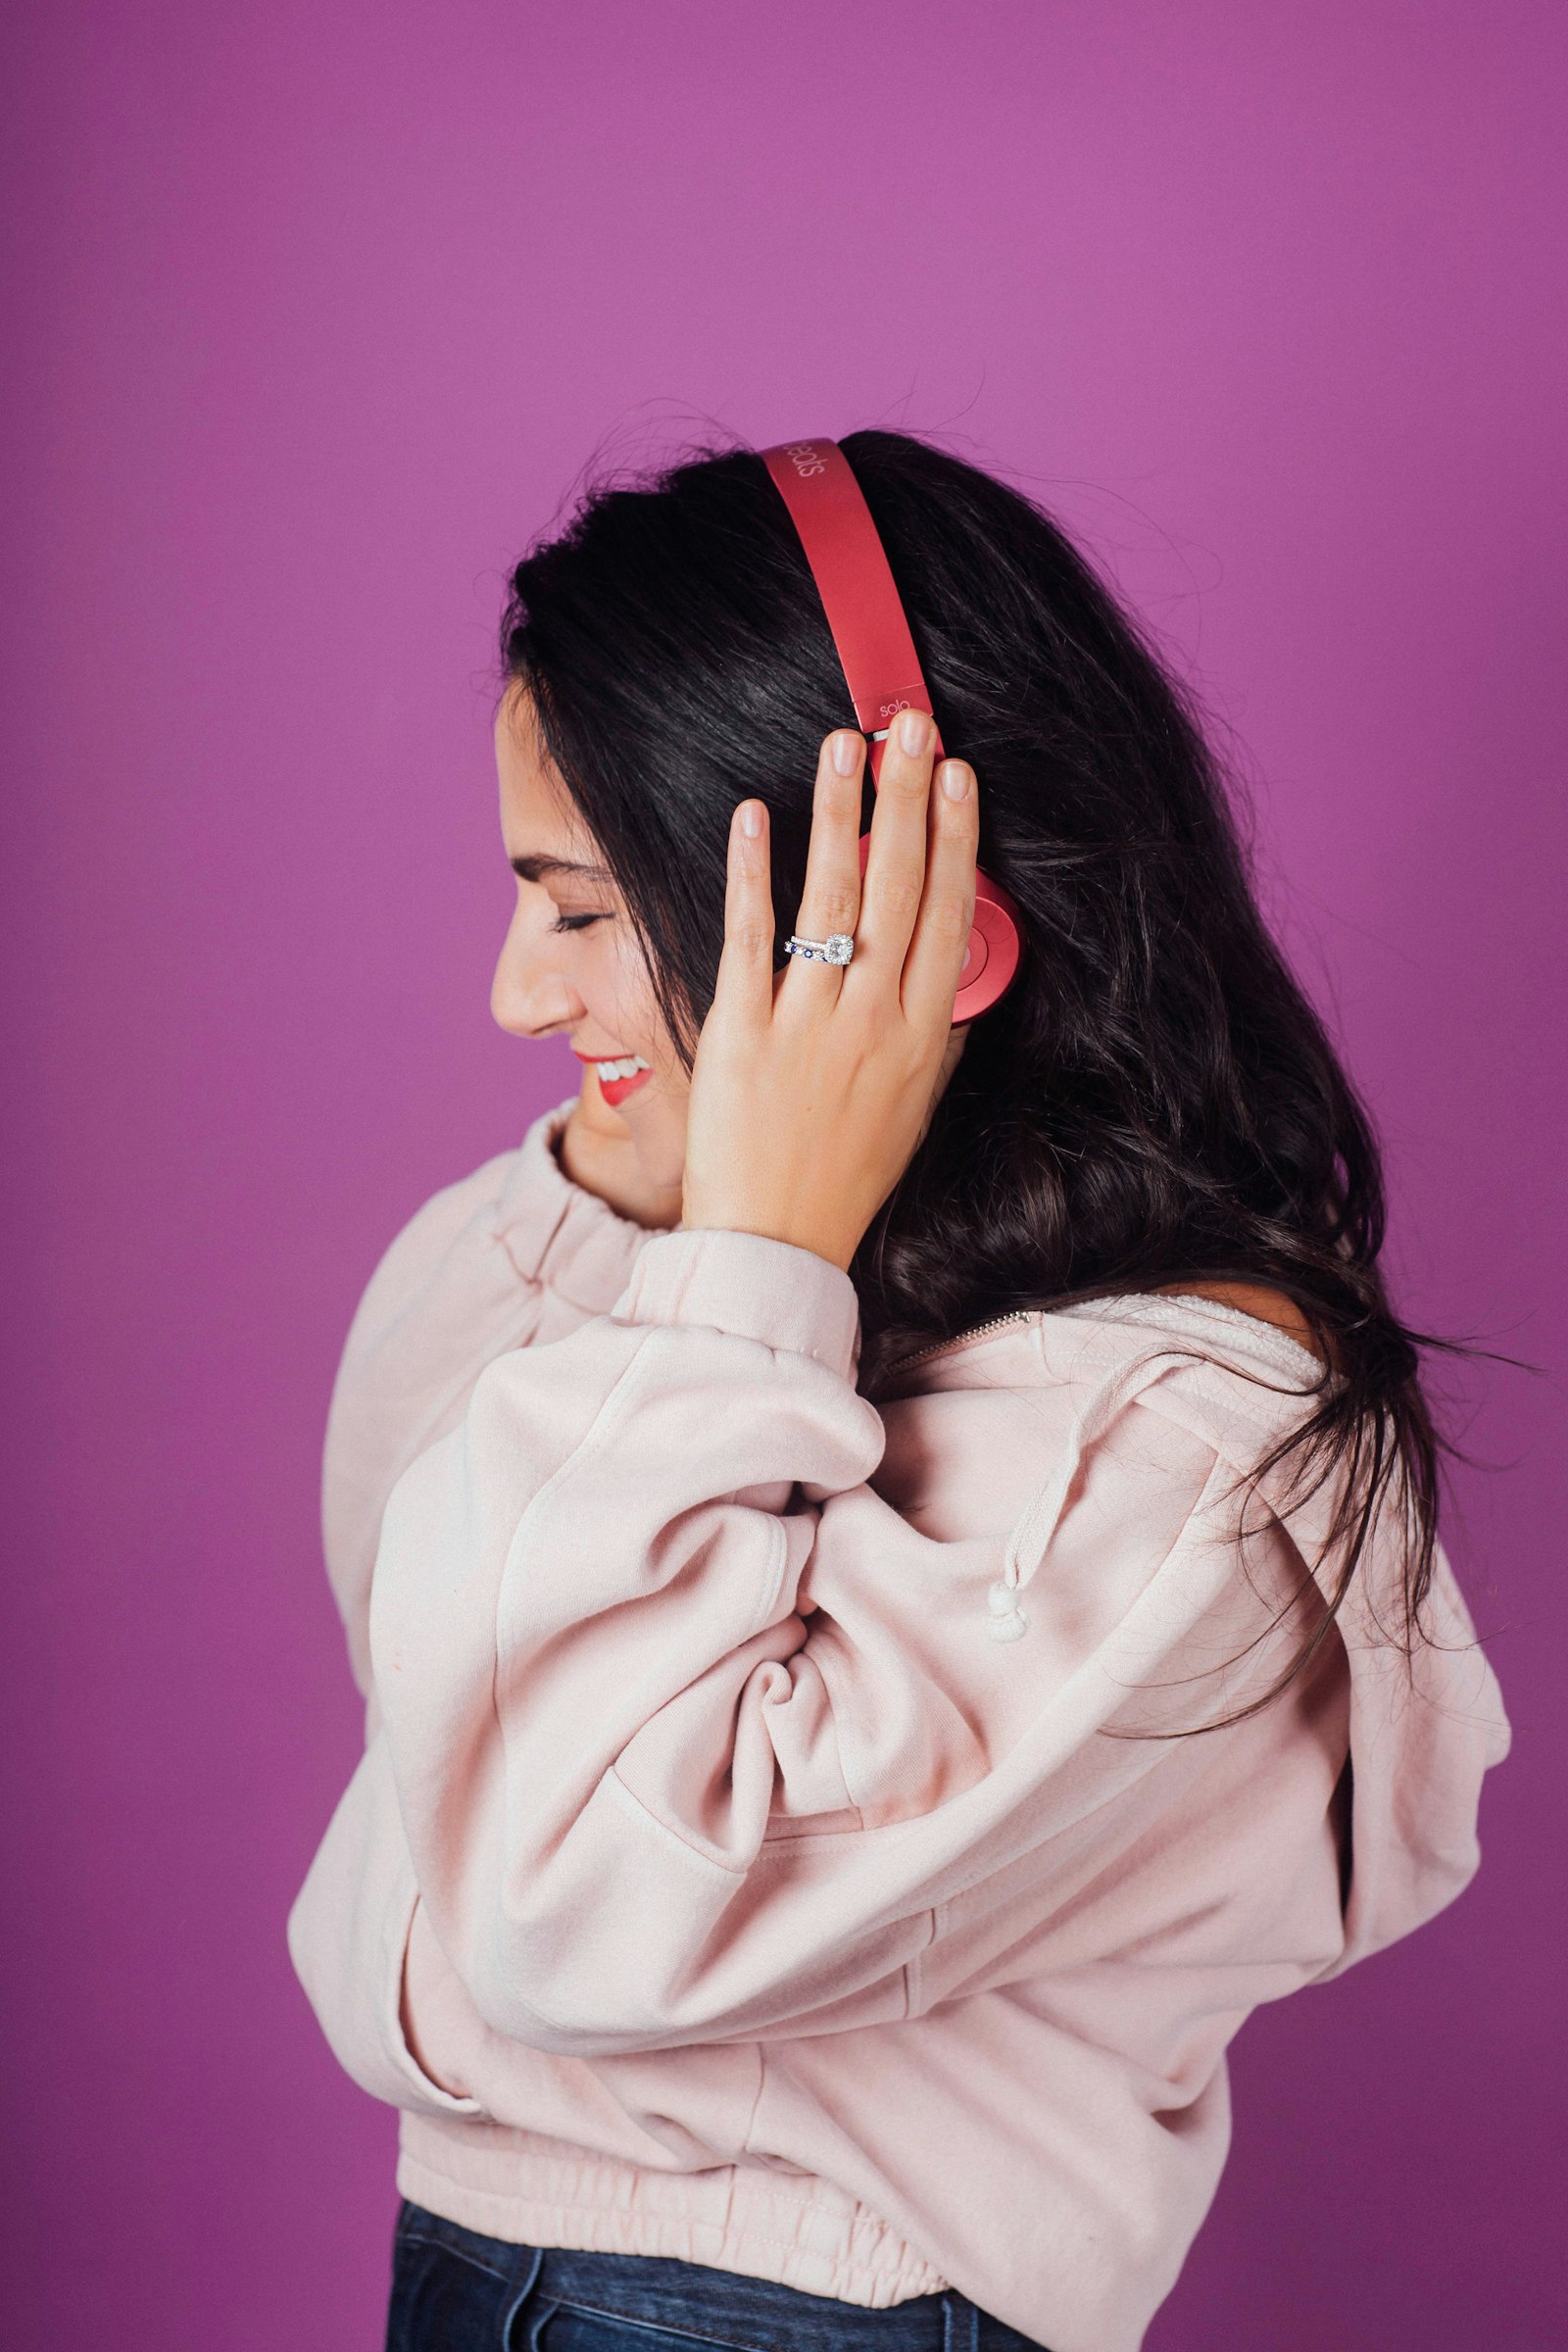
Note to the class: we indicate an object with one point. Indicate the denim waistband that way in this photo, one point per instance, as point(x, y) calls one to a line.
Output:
point(738, 2312)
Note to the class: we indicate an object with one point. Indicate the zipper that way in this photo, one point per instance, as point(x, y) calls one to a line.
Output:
point(1025, 1315)
point(1018, 1315)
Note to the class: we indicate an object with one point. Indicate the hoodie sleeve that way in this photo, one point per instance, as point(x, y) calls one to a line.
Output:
point(512, 1254)
point(652, 1794)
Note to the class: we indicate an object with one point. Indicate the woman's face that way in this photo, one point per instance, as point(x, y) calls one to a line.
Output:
point(571, 964)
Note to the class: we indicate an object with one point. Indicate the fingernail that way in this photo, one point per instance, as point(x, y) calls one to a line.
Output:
point(846, 750)
point(913, 727)
point(751, 818)
point(954, 779)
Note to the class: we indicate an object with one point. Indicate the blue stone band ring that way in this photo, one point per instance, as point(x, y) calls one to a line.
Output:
point(837, 948)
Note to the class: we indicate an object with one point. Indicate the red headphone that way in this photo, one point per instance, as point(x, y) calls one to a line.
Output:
point(881, 667)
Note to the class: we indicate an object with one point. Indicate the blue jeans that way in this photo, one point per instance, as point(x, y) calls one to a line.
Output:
point(456, 2291)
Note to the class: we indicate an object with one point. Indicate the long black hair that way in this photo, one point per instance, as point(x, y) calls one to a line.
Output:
point(1154, 1103)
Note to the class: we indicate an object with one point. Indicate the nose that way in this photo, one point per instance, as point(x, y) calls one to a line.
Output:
point(529, 996)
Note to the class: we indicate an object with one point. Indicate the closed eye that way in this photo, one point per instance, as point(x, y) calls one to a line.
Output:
point(576, 923)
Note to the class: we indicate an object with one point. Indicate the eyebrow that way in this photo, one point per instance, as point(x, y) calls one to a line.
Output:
point(534, 870)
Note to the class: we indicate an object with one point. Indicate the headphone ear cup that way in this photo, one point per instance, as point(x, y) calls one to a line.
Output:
point(994, 946)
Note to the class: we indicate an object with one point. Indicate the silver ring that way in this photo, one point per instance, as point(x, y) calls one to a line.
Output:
point(837, 948)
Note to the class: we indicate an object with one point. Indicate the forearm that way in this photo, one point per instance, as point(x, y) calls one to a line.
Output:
point(586, 1634)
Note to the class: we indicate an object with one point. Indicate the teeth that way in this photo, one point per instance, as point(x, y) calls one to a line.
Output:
point(628, 1068)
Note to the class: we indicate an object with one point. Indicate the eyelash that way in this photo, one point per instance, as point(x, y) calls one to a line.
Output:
point(575, 922)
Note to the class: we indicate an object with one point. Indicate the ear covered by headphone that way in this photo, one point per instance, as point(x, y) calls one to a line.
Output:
point(881, 667)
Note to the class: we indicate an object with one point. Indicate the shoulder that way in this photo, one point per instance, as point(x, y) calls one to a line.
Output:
point(1234, 1376)
point(1091, 1471)
point(508, 1254)
point(465, 1208)
point(443, 1301)
point(1142, 1418)
point(1151, 1393)
point(1231, 1375)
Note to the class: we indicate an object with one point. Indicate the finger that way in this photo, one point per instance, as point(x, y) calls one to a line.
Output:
point(935, 959)
point(745, 985)
point(895, 868)
point(830, 900)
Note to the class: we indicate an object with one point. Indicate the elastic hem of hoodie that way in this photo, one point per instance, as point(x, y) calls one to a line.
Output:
point(749, 1286)
point(790, 2229)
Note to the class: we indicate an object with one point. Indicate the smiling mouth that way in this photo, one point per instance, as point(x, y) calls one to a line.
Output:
point(619, 1077)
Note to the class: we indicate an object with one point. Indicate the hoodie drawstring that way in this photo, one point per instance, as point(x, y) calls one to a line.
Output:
point(1031, 1538)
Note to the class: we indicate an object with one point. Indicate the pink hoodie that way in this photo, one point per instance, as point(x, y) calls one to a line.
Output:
point(743, 1864)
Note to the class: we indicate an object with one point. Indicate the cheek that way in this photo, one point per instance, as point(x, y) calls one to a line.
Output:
point(618, 992)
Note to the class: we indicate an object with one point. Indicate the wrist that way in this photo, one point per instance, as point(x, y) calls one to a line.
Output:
point(835, 1246)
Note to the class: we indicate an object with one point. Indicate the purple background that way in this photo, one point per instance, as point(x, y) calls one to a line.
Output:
point(321, 313)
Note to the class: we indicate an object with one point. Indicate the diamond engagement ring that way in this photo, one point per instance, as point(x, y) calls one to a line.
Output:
point(837, 948)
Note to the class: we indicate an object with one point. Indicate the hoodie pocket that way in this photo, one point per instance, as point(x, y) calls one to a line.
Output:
point(349, 1934)
point(436, 2022)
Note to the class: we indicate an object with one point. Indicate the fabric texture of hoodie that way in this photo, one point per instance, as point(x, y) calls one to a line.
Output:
point(765, 1851)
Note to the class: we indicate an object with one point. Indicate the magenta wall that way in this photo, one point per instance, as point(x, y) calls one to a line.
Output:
point(321, 311)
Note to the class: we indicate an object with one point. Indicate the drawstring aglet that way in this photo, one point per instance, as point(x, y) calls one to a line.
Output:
point(1008, 1621)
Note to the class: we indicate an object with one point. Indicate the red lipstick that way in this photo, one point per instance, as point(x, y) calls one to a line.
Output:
point(615, 1090)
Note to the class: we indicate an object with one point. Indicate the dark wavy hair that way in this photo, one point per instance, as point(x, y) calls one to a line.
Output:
point(1154, 1103)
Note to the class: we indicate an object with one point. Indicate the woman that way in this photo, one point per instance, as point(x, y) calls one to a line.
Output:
point(893, 1566)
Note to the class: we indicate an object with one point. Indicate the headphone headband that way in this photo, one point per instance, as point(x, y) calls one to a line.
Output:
point(850, 565)
point(881, 667)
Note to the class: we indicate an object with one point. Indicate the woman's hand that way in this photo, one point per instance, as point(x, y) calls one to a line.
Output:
point(812, 1087)
point(596, 1149)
